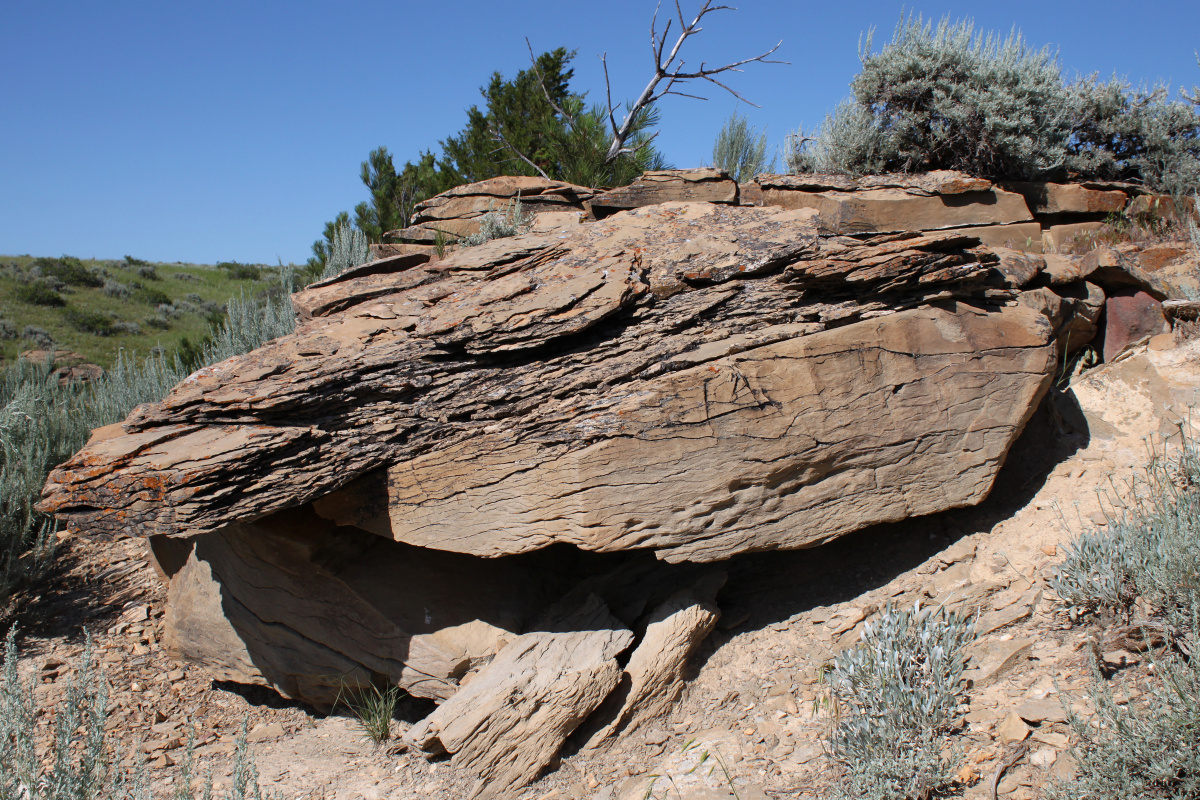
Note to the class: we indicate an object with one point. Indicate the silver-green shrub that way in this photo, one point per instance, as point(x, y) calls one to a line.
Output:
point(249, 324)
point(1146, 748)
point(1150, 549)
point(741, 150)
point(81, 764)
point(348, 249)
point(512, 221)
point(897, 693)
point(851, 141)
point(948, 97)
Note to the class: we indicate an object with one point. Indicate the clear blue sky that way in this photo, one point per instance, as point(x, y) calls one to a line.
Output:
point(204, 131)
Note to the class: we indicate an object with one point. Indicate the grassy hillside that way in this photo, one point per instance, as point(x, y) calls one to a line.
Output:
point(98, 308)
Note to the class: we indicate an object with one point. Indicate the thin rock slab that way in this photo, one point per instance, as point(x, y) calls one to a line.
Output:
point(890, 210)
point(941, 181)
point(668, 185)
point(653, 679)
point(508, 723)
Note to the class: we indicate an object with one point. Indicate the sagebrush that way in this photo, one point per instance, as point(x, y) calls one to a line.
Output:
point(1150, 548)
point(1143, 569)
point(896, 695)
point(81, 762)
point(947, 96)
point(349, 248)
point(741, 150)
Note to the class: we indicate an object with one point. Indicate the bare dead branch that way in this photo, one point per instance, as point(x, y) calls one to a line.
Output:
point(670, 70)
point(496, 132)
point(612, 119)
point(542, 83)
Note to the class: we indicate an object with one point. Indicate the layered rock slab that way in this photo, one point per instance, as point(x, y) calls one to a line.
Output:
point(511, 720)
point(694, 379)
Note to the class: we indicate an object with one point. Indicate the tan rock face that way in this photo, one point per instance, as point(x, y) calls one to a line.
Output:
point(1059, 198)
point(889, 210)
point(652, 188)
point(694, 379)
point(689, 433)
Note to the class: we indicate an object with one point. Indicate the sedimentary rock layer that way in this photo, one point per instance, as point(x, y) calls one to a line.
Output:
point(691, 378)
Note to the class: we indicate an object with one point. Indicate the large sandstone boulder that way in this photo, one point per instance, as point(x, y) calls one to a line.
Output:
point(446, 448)
point(694, 379)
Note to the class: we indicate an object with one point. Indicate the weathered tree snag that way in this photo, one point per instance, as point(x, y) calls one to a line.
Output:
point(695, 379)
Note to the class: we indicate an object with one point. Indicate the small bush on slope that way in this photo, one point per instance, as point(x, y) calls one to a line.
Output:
point(898, 693)
point(947, 97)
point(740, 150)
point(81, 763)
point(1150, 550)
point(349, 248)
point(1148, 556)
point(512, 221)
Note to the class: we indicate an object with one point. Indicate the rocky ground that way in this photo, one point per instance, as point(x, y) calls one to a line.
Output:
point(751, 722)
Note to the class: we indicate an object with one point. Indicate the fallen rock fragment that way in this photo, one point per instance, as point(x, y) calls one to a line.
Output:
point(1012, 729)
point(653, 678)
point(989, 659)
point(508, 723)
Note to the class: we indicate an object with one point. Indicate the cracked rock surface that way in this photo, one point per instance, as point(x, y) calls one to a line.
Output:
point(686, 378)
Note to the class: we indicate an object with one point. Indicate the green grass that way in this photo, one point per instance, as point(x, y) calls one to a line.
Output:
point(152, 296)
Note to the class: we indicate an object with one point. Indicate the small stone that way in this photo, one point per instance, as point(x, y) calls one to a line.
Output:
point(265, 732)
point(1065, 768)
point(135, 687)
point(1120, 658)
point(1043, 757)
point(996, 657)
point(1056, 740)
point(1042, 711)
point(1012, 729)
point(656, 737)
point(175, 675)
